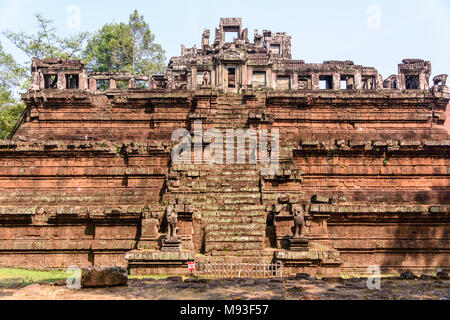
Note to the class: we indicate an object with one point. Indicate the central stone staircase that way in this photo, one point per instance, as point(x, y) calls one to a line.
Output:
point(228, 196)
point(231, 113)
point(234, 217)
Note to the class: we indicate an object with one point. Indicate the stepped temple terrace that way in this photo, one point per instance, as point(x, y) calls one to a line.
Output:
point(353, 170)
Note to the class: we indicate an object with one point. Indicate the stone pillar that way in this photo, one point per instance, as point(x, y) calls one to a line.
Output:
point(401, 81)
point(294, 81)
point(149, 234)
point(424, 81)
point(152, 84)
point(244, 77)
point(213, 79)
point(61, 85)
point(238, 77)
point(274, 79)
point(92, 84)
point(358, 81)
point(132, 83)
point(194, 77)
point(220, 70)
point(205, 39)
point(250, 75)
point(83, 81)
point(379, 82)
point(336, 81)
point(40, 80)
point(315, 81)
point(112, 84)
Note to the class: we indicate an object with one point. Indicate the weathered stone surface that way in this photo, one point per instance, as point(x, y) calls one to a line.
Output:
point(408, 275)
point(367, 158)
point(103, 277)
point(443, 275)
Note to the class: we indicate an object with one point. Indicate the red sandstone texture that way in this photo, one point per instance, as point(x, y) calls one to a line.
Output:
point(87, 175)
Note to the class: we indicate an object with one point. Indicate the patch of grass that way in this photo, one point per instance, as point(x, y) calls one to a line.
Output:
point(24, 277)
point(153, 276)
point(361, 275)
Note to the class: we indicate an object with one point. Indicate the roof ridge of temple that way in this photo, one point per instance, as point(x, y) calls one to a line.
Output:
point(236, 64)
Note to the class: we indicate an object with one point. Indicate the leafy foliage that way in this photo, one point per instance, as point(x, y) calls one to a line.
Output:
point(11, 74)
point(10, 111)
point(125, 47)
point(116, 47)
point(45, 43)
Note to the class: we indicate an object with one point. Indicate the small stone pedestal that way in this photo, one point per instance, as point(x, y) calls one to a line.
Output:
point(171, 244)
point(299, 244)
point(146, 262)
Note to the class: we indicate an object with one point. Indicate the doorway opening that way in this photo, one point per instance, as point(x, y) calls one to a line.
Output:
point(231, 78)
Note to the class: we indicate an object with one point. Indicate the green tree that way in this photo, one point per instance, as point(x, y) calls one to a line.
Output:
point(10, 112)
point(42, 44)
point(125, 47)
point(12, 75)
point(45, 43)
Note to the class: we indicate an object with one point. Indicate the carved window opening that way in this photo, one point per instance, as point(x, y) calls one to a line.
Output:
point(103, 84)
point(72, 81)
point(50, 81)
point(326, 82)
point(394, 84)
point(304, 83)
point(142, 84)
point(412, 82)
point(275, 48)
point(231, 78)
point(230, 36)
point(122, 84)
point(347, 82)
point(283, 82)
point(368, 82)
point(259, 79)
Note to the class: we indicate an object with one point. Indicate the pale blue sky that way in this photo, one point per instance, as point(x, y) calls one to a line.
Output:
point(321, 30)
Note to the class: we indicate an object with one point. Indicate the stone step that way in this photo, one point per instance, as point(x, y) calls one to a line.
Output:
point(231, 220)
point(220, 169)
point(241, 208)
point(248, 208)
point(231, 213)
point(230, 116)
point(231, 246)
point(233, 238)
point(241, 173)
point(220, 187)
point(251, 255)
point(256, 233)
point(214, 190)
point(234, 228)
point(238, 201)
point(236, 195)
point(239, 177)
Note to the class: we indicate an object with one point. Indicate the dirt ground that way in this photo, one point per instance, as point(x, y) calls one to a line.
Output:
point(239, 289)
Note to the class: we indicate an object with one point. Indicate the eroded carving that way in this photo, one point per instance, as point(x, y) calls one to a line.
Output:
point(440, 80)
point(172, 221)
point(299, 220)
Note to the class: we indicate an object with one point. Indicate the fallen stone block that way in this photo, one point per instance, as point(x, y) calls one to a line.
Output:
point(408, 275)
point(103, 277)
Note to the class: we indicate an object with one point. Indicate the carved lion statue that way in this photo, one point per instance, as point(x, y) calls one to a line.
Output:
point(299, 220)
point(440, 80)
point(172, 221)
point(205, 79)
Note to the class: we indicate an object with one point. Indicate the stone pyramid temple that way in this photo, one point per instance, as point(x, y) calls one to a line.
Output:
point(347, 170)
